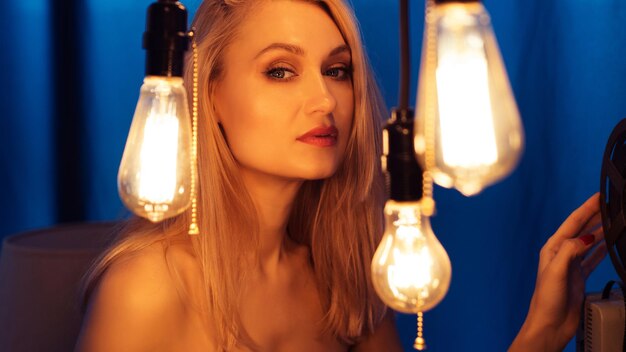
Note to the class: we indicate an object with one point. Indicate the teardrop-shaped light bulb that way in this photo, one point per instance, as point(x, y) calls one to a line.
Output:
point(155, 172)
point(411, 270)
point(476, 133)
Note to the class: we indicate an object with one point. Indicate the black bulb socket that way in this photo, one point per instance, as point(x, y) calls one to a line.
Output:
point(165, 38)
point(403, 174)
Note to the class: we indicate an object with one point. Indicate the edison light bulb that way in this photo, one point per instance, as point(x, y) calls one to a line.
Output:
point(411, 270)
point(475, 123)
point(155, 172)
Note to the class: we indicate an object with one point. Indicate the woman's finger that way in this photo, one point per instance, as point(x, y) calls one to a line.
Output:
point(591, 262)
point(587, 214)
point(548, 253)
point(597, 235)
point(594, 223)
point(573, 249)
point(577, 221)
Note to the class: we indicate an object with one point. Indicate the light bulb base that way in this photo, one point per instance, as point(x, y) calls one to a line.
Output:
point(165, 39)
point(403, 174)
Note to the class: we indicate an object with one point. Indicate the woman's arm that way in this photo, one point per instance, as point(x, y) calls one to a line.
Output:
point(565, 262)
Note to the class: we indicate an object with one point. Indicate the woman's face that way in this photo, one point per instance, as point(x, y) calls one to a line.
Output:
point(285, 98)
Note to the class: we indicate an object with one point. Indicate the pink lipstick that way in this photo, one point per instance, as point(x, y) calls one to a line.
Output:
point(320, 136)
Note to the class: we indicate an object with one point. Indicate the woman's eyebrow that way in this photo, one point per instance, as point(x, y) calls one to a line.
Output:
point(340, 50)
point(294, 49)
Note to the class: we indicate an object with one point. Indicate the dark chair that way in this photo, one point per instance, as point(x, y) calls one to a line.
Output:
point(40, 273)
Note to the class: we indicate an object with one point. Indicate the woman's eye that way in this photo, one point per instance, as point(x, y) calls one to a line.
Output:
point(280, 73)
point(340, 73)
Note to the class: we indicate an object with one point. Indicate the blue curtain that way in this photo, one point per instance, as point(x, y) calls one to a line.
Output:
point(72, 72)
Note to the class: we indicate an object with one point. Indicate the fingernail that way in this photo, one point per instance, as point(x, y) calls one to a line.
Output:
point(587, 239)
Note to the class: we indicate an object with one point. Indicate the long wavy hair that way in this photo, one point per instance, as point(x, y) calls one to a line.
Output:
point(338, 218)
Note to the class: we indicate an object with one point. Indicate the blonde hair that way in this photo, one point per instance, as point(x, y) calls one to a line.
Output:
point(339, 218)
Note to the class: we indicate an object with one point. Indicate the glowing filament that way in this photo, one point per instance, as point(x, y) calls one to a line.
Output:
point(158, 159)
point(466, 117)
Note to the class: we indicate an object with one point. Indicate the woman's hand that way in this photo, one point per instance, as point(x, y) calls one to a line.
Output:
point(565, 262)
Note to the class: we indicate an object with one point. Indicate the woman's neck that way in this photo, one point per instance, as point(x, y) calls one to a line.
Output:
point(273, 199)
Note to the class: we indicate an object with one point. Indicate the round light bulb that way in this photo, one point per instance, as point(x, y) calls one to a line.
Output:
point(411, 270)
point(155, 172)
point(475, 123)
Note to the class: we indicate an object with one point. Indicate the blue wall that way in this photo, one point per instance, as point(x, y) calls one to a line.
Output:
point(566, 64)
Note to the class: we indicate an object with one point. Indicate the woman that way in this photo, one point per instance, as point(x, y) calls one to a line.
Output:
point(290, 198)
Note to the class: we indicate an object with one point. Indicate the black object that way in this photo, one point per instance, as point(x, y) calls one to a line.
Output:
point(403, 175)
point(165, 38)
point(405, 56)
point(402, 172)
point(612, 200)
point(71, 162)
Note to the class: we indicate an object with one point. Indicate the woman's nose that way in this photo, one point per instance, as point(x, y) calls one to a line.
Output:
point(319, 98)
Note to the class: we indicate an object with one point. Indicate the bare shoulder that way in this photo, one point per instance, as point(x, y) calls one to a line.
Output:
point(135, 306)
point(384, 338)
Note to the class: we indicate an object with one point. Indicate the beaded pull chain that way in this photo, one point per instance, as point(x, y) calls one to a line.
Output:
point(420, 343)
point(193, 227)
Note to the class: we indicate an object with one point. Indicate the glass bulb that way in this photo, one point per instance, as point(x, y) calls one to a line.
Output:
point(155, 172)
point(411, 270)
point(478, 135)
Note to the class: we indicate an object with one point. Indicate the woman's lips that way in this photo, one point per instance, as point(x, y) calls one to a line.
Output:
point(320, 136)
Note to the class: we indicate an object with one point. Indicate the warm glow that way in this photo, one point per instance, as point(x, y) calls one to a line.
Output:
point(411, 270)
point(465, 114)
point(465, 102)
point(157, 169)
point(155, 172)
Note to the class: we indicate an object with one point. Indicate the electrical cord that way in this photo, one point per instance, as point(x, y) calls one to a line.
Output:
point(405, 63)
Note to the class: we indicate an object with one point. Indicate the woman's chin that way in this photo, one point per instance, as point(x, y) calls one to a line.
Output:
point(309, 171)
point(308, 175)
point(319, 173)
